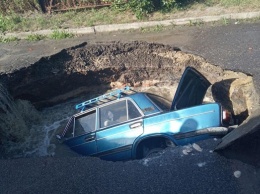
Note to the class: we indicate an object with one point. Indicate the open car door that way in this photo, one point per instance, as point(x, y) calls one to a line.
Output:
point(191, 89)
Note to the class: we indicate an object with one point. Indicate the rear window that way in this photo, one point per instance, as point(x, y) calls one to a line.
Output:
point(85, 123)
point(69, 128)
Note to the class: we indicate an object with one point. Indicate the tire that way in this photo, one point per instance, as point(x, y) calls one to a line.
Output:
point(147, 153)
point(153, 146)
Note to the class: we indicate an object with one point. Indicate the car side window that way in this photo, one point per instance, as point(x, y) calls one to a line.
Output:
point(132, 111)
point(113, 114)
point(85, 123)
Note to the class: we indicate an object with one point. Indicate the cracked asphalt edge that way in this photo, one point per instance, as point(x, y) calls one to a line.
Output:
point(138, 25)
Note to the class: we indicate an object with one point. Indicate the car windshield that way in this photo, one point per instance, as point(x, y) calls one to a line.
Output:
point(163, 103)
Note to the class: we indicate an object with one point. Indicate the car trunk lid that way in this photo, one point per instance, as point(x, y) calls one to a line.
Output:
point(191, 89)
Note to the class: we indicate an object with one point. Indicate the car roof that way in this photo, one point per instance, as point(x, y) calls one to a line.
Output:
point(115, 94)
point(139, 98)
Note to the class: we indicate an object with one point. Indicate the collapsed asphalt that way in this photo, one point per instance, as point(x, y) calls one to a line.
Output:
point(233, 47)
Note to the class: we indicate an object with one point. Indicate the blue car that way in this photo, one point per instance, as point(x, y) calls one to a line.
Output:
point(122, 126)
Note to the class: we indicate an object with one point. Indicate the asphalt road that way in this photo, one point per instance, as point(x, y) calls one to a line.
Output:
point(235, 47)
point(181, 170)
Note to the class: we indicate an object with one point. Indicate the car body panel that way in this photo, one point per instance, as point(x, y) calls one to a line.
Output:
point(84, 144)
point(184, 121)
point(119, 137)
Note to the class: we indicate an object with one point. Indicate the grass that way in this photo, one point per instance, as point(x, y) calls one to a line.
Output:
point(8, 39)
point(61, 34)
point(242, 3)
point(35, 37)
point(8, 23)
point(157, 28)
point(56, 34)
point(225, 21)
point(196, 23)
point(36, 21)
point(59, 22)
point(18, 6)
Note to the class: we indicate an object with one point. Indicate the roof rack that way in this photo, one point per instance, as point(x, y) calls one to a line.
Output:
point(115, 93)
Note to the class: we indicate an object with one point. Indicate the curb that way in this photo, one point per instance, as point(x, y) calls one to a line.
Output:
point(138, 25)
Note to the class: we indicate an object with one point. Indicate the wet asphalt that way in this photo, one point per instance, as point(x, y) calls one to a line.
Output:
point(180, 170)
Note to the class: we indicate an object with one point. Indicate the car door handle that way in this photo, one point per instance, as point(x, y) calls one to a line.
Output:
point(90, 138)
point(135, 125)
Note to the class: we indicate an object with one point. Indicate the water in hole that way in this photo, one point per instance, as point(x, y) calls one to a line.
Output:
point(27, 132)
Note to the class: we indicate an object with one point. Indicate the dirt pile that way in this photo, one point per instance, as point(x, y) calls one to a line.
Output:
point(87, 68)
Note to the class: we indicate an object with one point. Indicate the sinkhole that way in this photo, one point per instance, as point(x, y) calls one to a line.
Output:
point(36, 101)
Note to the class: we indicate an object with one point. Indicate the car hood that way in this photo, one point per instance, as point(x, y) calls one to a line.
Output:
point(191, 89)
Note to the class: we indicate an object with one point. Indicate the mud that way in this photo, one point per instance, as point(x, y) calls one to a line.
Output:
point(91, 70)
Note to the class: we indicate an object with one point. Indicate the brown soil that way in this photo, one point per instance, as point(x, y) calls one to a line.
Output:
point(85, 68)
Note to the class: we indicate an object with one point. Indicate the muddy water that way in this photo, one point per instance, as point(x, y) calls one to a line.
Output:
point(36, 101)
point(30, 132)
point(13, 123)
point(27, 132)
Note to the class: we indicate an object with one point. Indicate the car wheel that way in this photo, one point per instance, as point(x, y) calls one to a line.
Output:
point(147, 153)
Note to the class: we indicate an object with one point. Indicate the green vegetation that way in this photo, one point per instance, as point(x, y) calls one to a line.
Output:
point(142, 8)
point(157, 28)
point(8, 39)
point(18, 6)
point(35, 37)
point(225, 21)
point(57, 34)
point(8, 23)
point(26, 15)
point(196, 23)
point(228, 3)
